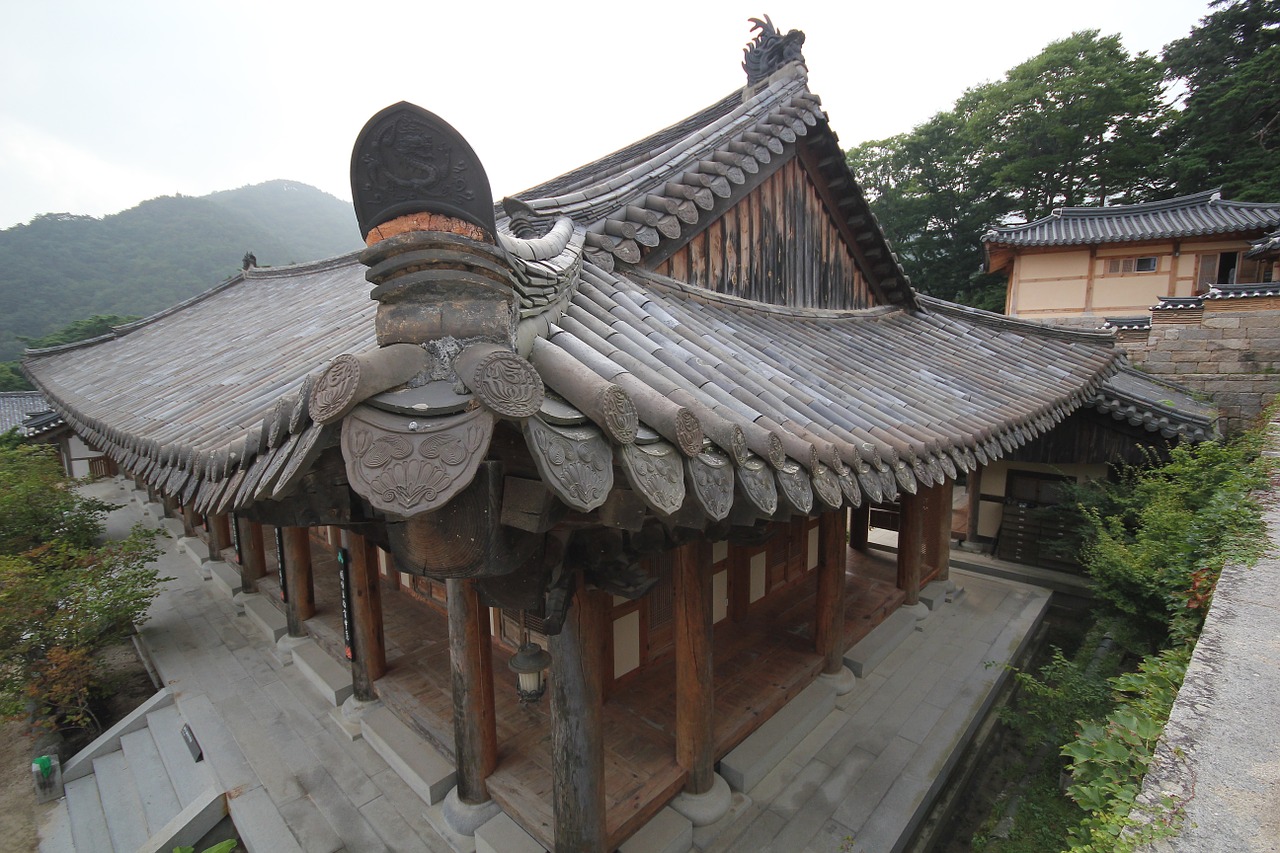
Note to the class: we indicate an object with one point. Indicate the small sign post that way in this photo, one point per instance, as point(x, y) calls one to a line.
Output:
point(344, 585)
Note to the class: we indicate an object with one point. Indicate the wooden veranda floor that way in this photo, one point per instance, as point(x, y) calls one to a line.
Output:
point(760, 665)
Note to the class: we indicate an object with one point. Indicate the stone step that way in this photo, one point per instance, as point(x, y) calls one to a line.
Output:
point(501, 834)
point(155, 790)
point(173, 526)
point(194, 548)
point(328, 676)
point(259, 823)
point(937, 593)
point(189, 778)
point(187, 827)
point(266, 616)
point(126, 821)
point(868, 652)
point(668, 832)
point(414, 760)
point(81, 764)
point(88, 822)
point(225, 577)
point(751, 760)
point(55, 829)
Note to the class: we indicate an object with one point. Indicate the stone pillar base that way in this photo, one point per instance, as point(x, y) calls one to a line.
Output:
point(466, 818)
point(704, 809)
point(842, 680)
point(920, 609)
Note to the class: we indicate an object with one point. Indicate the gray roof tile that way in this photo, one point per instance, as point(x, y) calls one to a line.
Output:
point(1186, 216)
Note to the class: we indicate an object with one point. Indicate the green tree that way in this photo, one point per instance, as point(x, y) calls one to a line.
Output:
point(11, 379)
point(1078, 124)
point(1228, 130)
point(78, 330)
point(62, 595)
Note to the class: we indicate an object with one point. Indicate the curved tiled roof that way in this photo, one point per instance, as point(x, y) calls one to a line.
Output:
point(211, 400)
point(885, 395)
point(16, 405)
point(1186, 216)
point(1157, 405)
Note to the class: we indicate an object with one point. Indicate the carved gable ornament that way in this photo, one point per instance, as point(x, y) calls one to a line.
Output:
point(408, 160)
point(770, 50)
point(406, 466)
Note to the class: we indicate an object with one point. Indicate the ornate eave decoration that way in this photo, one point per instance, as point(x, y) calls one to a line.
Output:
point(576, 462)
point(408, 160)
point(406, 466)
point(711, 478)
point(655, 471)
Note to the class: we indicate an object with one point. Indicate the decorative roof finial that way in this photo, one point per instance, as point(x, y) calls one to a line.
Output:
point(770, 50)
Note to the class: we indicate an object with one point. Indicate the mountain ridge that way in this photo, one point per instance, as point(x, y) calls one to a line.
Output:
point(62, 267)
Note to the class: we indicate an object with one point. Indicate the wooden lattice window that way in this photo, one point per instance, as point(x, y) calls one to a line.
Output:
point(1125, 266)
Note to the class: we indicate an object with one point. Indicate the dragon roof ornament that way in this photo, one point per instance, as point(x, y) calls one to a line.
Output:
point(770, 50)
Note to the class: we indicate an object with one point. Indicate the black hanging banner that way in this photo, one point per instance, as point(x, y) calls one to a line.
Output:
point(344, 587)
point(235, 538)
point(284, 583)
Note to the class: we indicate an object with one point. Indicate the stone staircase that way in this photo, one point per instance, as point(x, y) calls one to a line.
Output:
point(136, 788)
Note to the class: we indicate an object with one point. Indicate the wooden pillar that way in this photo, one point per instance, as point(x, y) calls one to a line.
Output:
point(860, 527)
point(219, 535)
point(170, 506)
point(189, 519)
point(475, 733)
point(368, 648)
point(300, 604)
point(828, 628)
point(252, 554)
point(975, 503)
point(910, 544)
point(577, 731)
point(937, 530)
point(695, 692)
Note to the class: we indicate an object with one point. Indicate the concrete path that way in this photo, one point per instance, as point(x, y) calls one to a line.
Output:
point(867, 775)
point(263, 727)
point(860, 781)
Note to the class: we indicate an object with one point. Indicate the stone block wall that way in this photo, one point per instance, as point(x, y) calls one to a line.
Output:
point(1230, 352)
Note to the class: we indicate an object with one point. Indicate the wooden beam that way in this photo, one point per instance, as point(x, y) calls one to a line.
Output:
point(253, 553)
point(828, 629)
point(860, 527)
point(910, 545)
point(475, 733)
point(577, 733)
point(300, 601)
point(369, 650)
point(695, 693)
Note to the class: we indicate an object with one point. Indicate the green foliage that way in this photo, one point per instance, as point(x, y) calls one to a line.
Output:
point(1077, 124)
point(62, 595)
point(1051, 701)
point(79, 330)
point(221, 847)
point(1228, 130)
point(145, 259)
point(1158, 538)
point(1110, 758)
point(11, 378)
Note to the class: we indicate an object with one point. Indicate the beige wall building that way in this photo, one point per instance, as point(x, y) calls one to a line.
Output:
point(1081, 265)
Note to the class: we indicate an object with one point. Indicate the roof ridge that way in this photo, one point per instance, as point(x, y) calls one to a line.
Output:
point(990, 318)
point(672, 285)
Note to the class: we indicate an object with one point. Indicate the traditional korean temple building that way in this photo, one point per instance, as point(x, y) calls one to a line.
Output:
point(629, 415)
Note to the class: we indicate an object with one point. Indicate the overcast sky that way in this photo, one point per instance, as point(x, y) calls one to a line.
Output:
point(105, 104)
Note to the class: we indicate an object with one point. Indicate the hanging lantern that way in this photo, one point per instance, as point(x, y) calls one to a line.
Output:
point(530, 666)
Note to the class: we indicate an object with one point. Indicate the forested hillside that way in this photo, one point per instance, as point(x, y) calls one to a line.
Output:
point(62, 267)
point(1084, 122)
